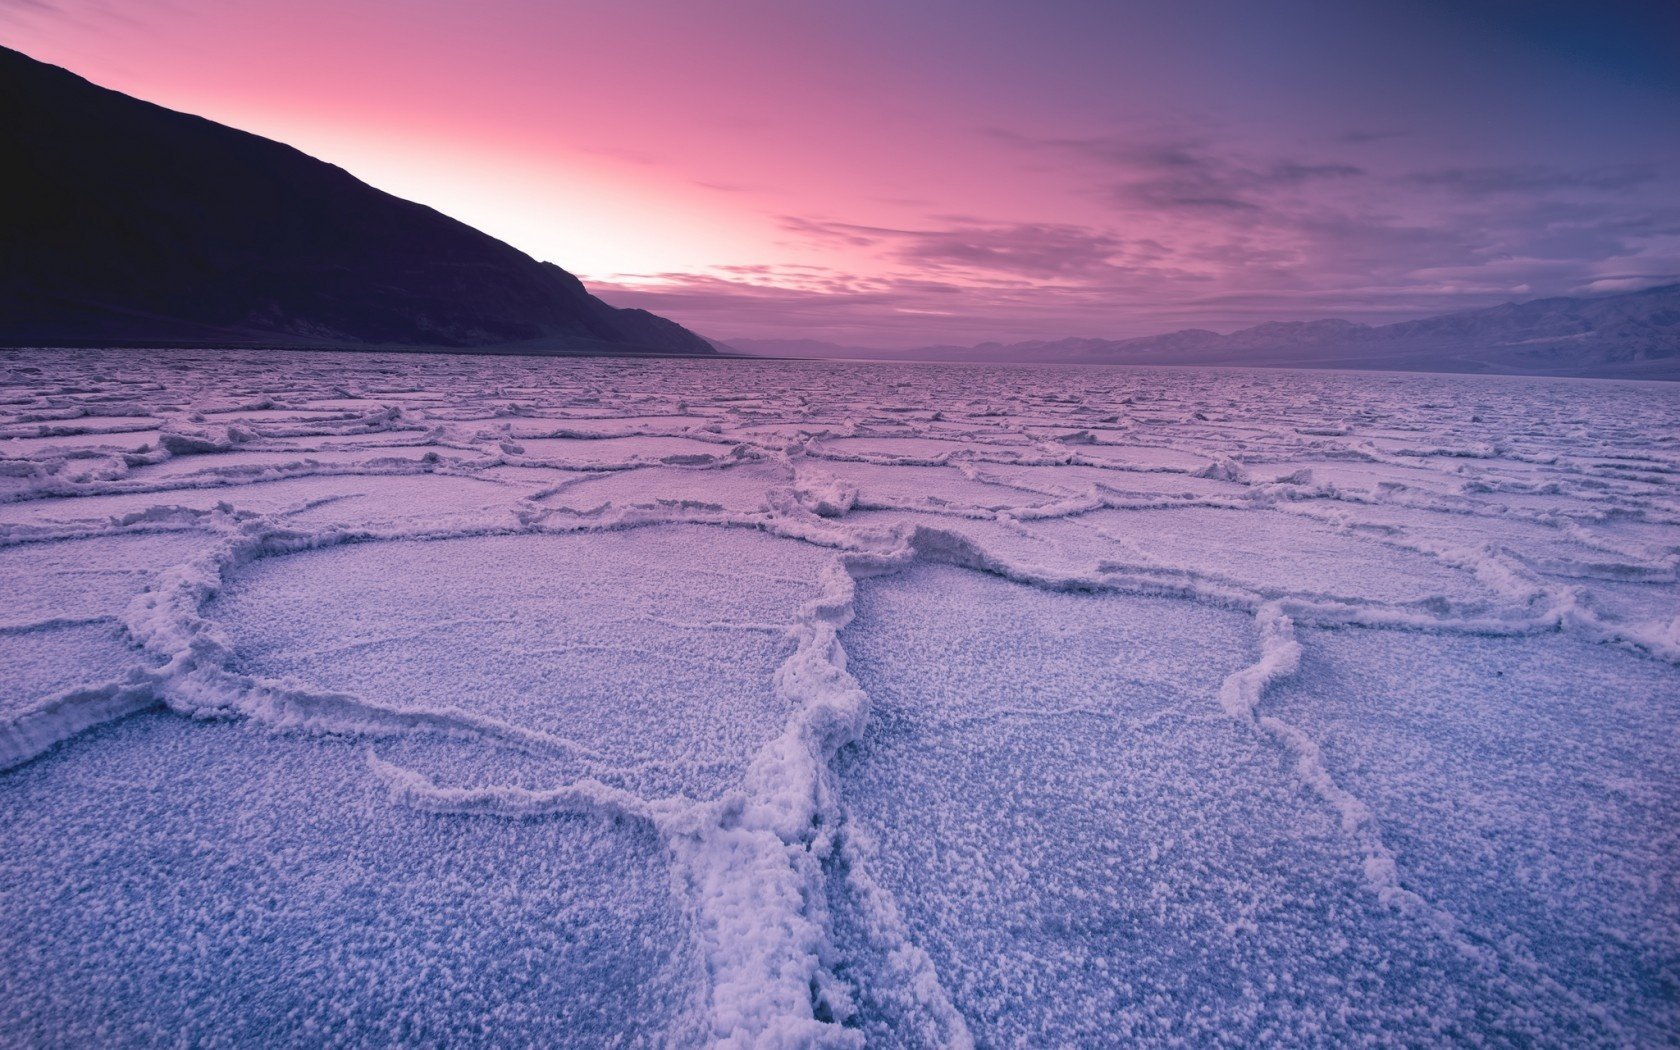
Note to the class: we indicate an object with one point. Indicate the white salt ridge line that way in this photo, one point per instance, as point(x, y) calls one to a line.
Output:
point(973, 472)
point(35, 731)
point(1424, 618)
point(585, 797)
point(196, 436)
point(1643, 560)
point(1275, 493)
point(221, 477)
point(754, 864)
point(405, 437)
point(1550, 611)
point(1392, 493)
point(1240, 695)
point(1532, 608)
point(1199, 583)
point(1061, 457)
point(48, 431)
point(740, 452)
point(1554, 607)
point(162, 518)
point(606, 509)
point(1604, 571)
point(617, 466)
point(881, 459)
point(832, 497)
point(709, 433)
point(55, 472)
point(770, 946)
point(1280, 656)
point(1542, 611)
point(195, 679)
point(392, 421)
point(1108, 494)
point(265, 404)
point(1637, 552)
point(305, 506)
point(611, 516)
point(928, 505)
point(371, 464)
point(563, 484)
point(208, 692)
point(80, 411)
point(1067, 507)
point(1545, 612)
point(1578, 491)
point(1655, 638)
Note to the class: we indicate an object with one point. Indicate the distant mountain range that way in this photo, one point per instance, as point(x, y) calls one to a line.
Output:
point(129, 224)
point(1632, 335)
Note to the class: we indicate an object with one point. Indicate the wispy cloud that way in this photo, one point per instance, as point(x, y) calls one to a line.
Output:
point(1041, 251)
point(1534, 178)
point(1202, 233)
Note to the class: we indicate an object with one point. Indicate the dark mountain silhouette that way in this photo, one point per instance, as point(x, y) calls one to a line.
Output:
point(1633, 334)
point(125, 223)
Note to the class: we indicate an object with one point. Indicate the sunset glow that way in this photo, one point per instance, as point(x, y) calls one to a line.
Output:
point(884, 174)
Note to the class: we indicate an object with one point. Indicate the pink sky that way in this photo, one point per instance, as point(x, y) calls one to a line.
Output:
point(892, 174)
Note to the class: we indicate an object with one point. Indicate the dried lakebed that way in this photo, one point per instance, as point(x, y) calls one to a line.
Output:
point(369, 698)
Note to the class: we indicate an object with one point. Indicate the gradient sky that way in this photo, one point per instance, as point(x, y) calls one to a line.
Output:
point(898, 173)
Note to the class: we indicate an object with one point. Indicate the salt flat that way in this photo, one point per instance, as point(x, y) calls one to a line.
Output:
point(436, 699)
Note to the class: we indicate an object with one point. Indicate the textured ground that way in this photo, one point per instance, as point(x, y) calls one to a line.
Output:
point(373, 699)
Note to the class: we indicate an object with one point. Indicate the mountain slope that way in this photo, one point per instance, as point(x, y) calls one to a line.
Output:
point(130, 223)
point(1633, 334)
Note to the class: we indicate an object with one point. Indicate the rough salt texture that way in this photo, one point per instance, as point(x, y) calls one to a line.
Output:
point(489, 701)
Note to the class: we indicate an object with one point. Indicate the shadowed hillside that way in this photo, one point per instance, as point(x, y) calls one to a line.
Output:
point(127, 223)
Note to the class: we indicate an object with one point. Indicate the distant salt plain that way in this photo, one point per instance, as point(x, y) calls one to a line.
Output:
point(361, 699)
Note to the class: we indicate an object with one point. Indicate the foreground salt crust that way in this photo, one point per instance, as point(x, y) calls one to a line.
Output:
point(787, 704)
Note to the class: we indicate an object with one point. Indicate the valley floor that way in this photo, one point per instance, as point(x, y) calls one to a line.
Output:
point(358, 698)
